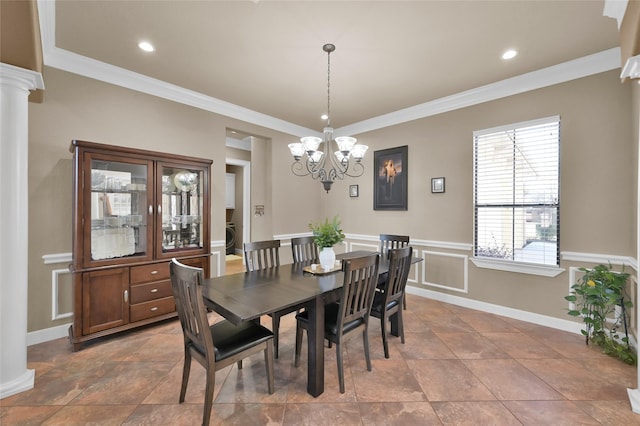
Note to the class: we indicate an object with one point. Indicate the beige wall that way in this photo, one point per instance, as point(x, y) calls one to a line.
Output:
point(598, 191)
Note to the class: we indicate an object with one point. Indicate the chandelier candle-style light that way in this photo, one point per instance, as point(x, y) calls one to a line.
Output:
point(310, 159)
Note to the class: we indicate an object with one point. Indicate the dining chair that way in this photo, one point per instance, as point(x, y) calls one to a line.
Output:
point(259, 255)
point(348, 317)
point(304, 249)
point(390, 242)
point(388, 300)
point(213, 346)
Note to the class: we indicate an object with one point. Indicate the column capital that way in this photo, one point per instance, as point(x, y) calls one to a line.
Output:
point(20, 77)
point(632, 68)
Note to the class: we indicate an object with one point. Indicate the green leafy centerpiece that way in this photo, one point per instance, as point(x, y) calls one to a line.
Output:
point(327, 234)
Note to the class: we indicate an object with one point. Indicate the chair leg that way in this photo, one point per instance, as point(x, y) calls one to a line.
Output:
point(186, 368)
point(240, 365)
point(383, 327)
point(208, 396)
point(365, 338)
point(404, 303)
point(401, 326)
point(340, 366)
point(296, 358)
point(268, 360)
point(275, 327)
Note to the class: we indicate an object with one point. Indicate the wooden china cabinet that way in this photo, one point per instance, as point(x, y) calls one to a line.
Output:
point(133, 210)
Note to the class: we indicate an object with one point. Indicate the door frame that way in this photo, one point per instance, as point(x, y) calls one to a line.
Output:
point(246, 195)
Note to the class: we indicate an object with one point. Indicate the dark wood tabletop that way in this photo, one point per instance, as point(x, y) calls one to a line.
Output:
point(250, 295)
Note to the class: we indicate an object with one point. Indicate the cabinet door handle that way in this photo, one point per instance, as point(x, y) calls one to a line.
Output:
point(126, 296)
point(154, 272)
point(159, 209)
point(150, 209)
point(155, 290)
point(155, 308)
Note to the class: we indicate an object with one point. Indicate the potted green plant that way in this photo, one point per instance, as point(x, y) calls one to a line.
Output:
point(596, 296)
point(327, 234)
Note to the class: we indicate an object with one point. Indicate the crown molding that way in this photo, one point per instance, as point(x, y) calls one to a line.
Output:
point(243, 144)
point(71, 62)
point(582, 67)
point(615, 9)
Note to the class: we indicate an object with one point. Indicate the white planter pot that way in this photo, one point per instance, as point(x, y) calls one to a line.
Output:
point(327, 258)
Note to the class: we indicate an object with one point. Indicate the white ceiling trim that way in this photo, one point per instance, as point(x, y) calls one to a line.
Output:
point(615, 9)
point(582, 67)
point(87, 67)
point(244, 144)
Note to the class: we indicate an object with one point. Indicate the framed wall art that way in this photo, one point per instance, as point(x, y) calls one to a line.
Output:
point(437, 184)
point(353, 190)
point(390, 179)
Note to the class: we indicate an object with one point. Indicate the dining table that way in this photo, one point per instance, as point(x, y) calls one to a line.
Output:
point(247, 296)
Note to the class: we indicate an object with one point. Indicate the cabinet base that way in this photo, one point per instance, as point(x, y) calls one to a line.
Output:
point(77, 341)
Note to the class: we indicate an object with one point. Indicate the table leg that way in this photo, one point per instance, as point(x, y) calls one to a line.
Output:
point(315, 339)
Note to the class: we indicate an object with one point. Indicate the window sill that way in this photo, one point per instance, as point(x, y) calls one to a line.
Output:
point(522, 268)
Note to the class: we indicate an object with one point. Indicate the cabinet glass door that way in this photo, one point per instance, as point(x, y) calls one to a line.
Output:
point(119, 204)
point(182, 205)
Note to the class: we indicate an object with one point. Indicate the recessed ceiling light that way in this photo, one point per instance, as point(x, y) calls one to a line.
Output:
point(146, 46)
point(509, 54)
point(324, 116)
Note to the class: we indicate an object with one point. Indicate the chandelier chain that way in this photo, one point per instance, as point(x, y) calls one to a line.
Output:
point(329, 89)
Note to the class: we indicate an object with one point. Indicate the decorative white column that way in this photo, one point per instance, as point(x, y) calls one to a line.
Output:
point(632, 70)
point(15, 84)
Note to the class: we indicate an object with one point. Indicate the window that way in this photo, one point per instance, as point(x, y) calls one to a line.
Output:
point(516, 192)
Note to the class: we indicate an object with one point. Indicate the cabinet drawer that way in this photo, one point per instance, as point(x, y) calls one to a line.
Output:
point(145, 292)
point(148, 273)
point(150, 309)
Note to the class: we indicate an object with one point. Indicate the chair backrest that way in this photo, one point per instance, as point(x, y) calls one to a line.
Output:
point(390, 241)
point(360, 279)
point(185, 284)
point(304, 249)
point(399, 265)
point(260, 255)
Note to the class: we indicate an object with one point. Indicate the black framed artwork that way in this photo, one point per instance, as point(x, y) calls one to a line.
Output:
point(353, 191)
point(390, 178)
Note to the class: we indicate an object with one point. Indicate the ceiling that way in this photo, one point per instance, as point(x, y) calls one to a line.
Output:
point(267, 56)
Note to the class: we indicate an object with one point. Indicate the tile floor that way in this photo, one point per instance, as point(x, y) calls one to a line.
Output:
point(458, 367)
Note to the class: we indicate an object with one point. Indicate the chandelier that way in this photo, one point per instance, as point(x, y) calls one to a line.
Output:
point(313, 155)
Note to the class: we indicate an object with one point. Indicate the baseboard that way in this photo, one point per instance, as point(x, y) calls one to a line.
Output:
point(544, 320)
point(47, 334)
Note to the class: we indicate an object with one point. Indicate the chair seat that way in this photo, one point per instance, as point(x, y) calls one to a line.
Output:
point(231, 339)
point(378, 304)
point(331, 312)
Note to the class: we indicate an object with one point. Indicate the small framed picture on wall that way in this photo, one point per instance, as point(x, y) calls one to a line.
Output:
point(437, 184)
point(353, 190)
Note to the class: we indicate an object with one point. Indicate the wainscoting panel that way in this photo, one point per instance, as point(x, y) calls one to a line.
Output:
point(445, 270)
point(61, 294)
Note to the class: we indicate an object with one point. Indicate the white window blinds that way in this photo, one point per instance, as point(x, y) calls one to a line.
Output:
point(516, 192)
